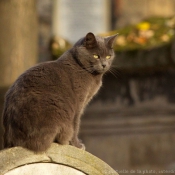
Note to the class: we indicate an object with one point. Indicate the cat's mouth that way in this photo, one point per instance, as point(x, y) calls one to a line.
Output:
point(96, 69)
point(101, 70)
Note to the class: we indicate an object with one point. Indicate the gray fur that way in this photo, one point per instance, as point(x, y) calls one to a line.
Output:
point(45, 103)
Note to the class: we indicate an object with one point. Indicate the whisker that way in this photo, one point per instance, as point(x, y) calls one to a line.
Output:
point(115, 72)
point(116, 68)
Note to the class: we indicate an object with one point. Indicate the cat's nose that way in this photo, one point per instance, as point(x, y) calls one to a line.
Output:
point(103, 65)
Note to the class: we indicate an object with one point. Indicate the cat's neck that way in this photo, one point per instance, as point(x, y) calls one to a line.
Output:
point(75, 57)
point(70, 59)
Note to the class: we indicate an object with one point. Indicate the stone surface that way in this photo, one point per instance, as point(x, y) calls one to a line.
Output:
point(83, 162)
point(44, 168)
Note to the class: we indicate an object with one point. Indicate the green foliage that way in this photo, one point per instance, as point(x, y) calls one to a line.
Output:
point(149, 33)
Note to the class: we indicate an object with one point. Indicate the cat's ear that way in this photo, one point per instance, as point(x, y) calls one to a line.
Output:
point(110, 40)
point(90, 41)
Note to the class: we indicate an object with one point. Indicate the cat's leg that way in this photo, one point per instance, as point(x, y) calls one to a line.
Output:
point(75, 140)
point(64, 135)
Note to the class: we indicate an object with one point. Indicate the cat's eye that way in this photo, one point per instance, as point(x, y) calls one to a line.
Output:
point(96, 56)
point(108, 57)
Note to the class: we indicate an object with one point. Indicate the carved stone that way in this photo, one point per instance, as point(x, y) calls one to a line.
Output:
point(59, 159)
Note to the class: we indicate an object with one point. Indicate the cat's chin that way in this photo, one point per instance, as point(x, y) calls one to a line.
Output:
point(100, 71)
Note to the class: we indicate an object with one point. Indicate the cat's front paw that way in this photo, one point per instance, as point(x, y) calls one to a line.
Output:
point(78, 143)
point(83, 146)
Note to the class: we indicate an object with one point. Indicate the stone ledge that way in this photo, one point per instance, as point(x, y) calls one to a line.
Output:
point(69, 156)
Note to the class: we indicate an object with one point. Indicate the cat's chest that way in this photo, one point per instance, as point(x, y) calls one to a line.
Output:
point(88, 90)
point(94, 88)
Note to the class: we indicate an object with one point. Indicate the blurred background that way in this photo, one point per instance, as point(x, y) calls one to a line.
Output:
point(130, 124)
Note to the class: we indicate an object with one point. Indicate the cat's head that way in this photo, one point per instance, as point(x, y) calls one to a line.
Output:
point(95, 53)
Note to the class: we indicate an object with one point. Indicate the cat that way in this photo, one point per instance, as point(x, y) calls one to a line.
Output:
point(45, 103)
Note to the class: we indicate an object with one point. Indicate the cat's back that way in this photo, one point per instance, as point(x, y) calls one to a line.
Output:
point(39, 82)
point(42, 76)
point(30, 80)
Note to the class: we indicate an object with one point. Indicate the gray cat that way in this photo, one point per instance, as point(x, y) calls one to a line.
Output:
point(46, 102)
